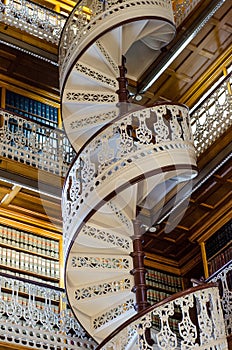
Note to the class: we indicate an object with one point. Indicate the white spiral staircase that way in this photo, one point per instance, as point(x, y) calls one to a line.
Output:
point(122, 158)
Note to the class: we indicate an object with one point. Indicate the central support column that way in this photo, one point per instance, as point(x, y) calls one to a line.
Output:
point(122, 91)
point(139, 271)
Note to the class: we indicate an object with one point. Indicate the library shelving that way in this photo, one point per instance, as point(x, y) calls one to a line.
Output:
point(31, 108)
point(218, 248)
point(161, 285)
point(29, 255)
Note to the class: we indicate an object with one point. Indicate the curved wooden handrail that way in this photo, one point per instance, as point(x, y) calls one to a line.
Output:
point(152, 308)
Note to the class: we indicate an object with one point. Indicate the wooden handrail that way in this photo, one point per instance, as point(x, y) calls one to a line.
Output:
point(152, 308)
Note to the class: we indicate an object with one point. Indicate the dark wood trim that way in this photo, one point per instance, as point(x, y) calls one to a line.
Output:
point(36, 283)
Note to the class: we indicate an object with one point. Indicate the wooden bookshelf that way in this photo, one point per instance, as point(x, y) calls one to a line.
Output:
point(218, 249)
point(160, 286)
point(29, 255)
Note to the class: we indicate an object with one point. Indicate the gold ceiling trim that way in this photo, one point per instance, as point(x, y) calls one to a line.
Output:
point(207, 78)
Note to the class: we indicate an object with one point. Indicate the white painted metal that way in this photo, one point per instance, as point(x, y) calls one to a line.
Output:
point(124, 159)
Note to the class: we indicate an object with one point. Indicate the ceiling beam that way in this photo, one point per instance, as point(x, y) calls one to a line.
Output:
point(7, 199)
point(184, 37)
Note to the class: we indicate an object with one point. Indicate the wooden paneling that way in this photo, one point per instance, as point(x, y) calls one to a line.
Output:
point(204, 50)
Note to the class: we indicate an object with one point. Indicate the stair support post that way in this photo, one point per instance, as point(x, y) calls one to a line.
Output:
point(139, 271)
point(122, 92)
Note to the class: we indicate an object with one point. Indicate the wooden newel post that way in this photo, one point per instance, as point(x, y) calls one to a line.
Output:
point(122, 92)
point(139, 271)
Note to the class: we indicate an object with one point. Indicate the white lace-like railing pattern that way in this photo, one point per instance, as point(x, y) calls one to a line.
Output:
point(81, 24)
point(103, 288)
point(47, 24)
point(133, 137)
point(223, 276)
point(205, 332)
point(33, 144)
point(212, 118)
point(99, 235)
point(33, 19)
point(37, 317)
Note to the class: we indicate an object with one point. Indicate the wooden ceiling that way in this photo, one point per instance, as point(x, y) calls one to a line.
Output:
point(194, 70)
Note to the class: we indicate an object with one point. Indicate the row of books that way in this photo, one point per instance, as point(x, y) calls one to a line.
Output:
point(154, 296)
point(164, 281)
point(221, 238)
point(32, 109)
point(26, 262)
point(220, 260)
point(24, 302)
point(29, 241)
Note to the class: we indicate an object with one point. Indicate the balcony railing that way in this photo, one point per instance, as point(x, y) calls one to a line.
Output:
point(213, 117)
point(224, 278)
point(36, 316)
point(47, 24)
point(34, 144)
point(33, 19)
point(200, 324)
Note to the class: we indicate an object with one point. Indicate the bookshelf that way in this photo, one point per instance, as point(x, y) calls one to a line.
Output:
point(31, 108)
point(29, 255)
point(160, 286)
point(218, 248)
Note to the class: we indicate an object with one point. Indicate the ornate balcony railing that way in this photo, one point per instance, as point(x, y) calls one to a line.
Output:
point(213, 117)
point(224, 278)
point(36, 316)
point(199, 320)
point(47, 24)
point(34, 144)
point(33, 19)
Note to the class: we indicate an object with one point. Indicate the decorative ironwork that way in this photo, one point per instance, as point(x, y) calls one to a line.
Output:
point(223, 276)
point(93, 74)
point(212, 118)
point(123, 149)
point(37, 317)
point(34, 144)
point(47, 24)
point(199, 333)
point(113, 313)
point(33, 19)
point(80, 26)
point(103, 288)
point(88, 262)
point(90, 97)
point(110, 238)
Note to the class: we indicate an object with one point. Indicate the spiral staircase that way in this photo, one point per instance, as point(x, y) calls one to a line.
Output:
point(127, 155)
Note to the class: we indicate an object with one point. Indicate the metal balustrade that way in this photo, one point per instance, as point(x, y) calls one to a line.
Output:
point(36, 316)
point(34, 144)
point(213, 117)
point(33, 19)
point(224, 278)
point(47, 24)
point(205, 331)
